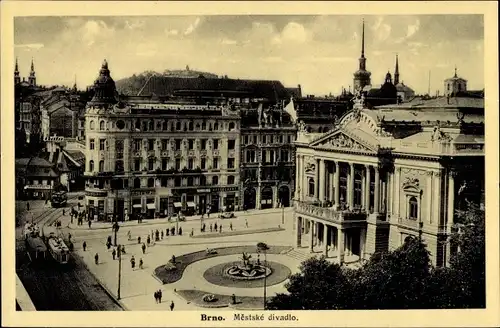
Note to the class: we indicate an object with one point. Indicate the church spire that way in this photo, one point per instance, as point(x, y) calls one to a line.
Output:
point(32, 77)
point(32, 67)
point(17, 78)
point(455, 71)
point(362, 59)
point(396, 72)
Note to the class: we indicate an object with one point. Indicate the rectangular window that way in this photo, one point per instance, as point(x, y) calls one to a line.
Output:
point(263, 155)
point(246, 140)
point(151, 144)
point(191, 144)
point(178, 144)
point(137, 144)
point(102, 144)
point(164, 163)
point(164, 144)
point(91, 144)
point(177, 163)
point(203, 144)
point(271, 156)
point(203, 164)
point(215, 165)
point(190, 163)
point(281, 138)
point(255, 140)
point(125, 183)
point(137, 164)
point(216, 144)
point(230, 163)
point(231, 144)
point(151, 163)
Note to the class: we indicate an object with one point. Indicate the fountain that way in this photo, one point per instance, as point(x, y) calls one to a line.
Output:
point(247, 270)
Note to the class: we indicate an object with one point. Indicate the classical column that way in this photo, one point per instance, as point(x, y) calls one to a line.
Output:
point(331, 183)
point(316, 179)
point(362, 238)
point(363, 189)
point(367, 188)
point(350, 194)
point(311, 236)
point(299, 232)
point(450, 211)
point(376, 205)
point(298, 170)
point(336, 179)
point(340, 245)
point(325, 238)
point(321, 180)
point(303, 183)
point(436, 202)
point(397, 192)
point(428, 195)
point(390, 181)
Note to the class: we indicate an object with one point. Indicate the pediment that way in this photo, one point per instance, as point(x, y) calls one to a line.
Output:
point(345, 141)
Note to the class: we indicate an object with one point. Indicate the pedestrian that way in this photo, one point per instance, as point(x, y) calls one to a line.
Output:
point(172, 306)
point(27, 206)
point(84, 245)
point(64, 212)
point(132, 262)
point(113, 253)
point(192, 232)
point(246, 223)
point(129, 235)
point(143, 248)
point(69, 236)
point(96, 258)
point(210, 227)
point(156, 296)
point(167, 232)
point(148, 240)
point(220, 229)
point(157, 235)
point(162, 234)
point(90, 223)
point(139, 239)
point(172, 231)
point(231, 226)
point(141, 263)
point(109, 240)
point(204, 226)
point(173, 258)
point(180, 231)
point(159, 295)
point(123, 249)
point(215, 226)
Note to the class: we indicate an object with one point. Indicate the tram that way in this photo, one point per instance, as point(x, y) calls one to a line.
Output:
point(36, 249)
point(59, 199)
point(56, 245)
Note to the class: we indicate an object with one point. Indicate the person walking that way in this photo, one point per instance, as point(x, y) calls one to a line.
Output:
point(215, 226)
point(159, 295)
point(180, 231)
point(28, 206)
point(132, 262)
point(161, 234)
point(210, 227)
point(141, 263)
point(231, 226)
point(113, 253)
point(129, 235)
point(148, 240)
point(84, 245)
point(64, 212)
point(96, 258)
point(220, 229)
point(192, 232)
point(139, 239)
point(172, 231)
point(90, 223)
point(156, 296)
point(167, 232)
point(246, 223)
point(172, 306)
point(143, 248)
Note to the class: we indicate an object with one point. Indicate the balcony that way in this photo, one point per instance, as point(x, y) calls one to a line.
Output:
point(329, 213)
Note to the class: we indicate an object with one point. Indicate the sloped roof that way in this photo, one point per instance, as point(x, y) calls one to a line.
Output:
point(167, 85)
point(417, 115)
point(440, 102)
point(75, 156)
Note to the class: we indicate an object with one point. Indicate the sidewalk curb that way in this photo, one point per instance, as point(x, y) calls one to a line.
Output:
point(106, 290)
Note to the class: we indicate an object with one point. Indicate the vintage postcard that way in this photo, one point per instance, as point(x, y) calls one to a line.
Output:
point(249, 164)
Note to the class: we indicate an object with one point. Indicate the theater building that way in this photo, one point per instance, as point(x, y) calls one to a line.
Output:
point(387, 173)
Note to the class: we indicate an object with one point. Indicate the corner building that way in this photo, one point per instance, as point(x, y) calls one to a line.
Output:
point(152, 157)
point(383, 175)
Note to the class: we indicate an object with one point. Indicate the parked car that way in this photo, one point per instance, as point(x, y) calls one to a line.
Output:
point(227, 215)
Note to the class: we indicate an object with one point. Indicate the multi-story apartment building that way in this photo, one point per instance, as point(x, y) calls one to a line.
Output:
point(267, 157)
point(150, 156)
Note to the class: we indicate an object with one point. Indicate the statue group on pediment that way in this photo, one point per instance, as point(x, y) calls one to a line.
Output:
point(342, 141)
point(438, 135)
point(411, 182)
point(310, 166)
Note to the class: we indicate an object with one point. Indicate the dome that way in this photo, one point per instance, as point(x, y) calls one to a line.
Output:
point(362, 72)
point(104, 87)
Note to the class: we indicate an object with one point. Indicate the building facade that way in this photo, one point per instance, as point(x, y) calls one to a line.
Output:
point(388, 173)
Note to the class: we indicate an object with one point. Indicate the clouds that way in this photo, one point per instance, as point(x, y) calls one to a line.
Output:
point(319, 52)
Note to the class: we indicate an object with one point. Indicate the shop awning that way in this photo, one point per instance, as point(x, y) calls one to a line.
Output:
point(191, 204)
point(177, 204)
point(137, 206)
point(151, 206)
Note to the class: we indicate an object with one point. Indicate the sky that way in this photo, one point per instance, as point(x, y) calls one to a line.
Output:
point(318, 52)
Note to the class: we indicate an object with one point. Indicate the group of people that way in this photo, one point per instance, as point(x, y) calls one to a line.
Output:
point(158, 295)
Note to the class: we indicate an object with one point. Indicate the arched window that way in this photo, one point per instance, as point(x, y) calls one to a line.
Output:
point(178, 126)
point(413, 208)
point(151, 182)
point(230, 180)
point(92, 125)
point(158, 125)
point(137, 125)
point(137, 183)
point(231, 126)
point(101, 166)
point(151, 125)
point(216, 126)
point(91, 166)
point(144, 126)
point(102, 125)
point(215, 180)
point(311, 187)
point(203, 126)
point(164, 126)
point(190, 181)
point(203, 180)
point(190, 126)
point(198, 127)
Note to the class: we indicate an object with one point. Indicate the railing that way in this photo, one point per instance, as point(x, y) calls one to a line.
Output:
point(444, 148)
point(328, 213)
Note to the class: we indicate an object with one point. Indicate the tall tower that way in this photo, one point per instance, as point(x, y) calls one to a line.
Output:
point(104, 88)
point(17, 78)
point(32, 77)
point(362, 76)
point(396, 72)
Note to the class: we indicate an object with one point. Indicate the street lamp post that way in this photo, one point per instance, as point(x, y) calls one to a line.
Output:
point(262, 247)
point(116, 227)
point(119, 270)
point(282, 212)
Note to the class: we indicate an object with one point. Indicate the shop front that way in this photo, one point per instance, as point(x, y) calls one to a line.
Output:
point(150, 208)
